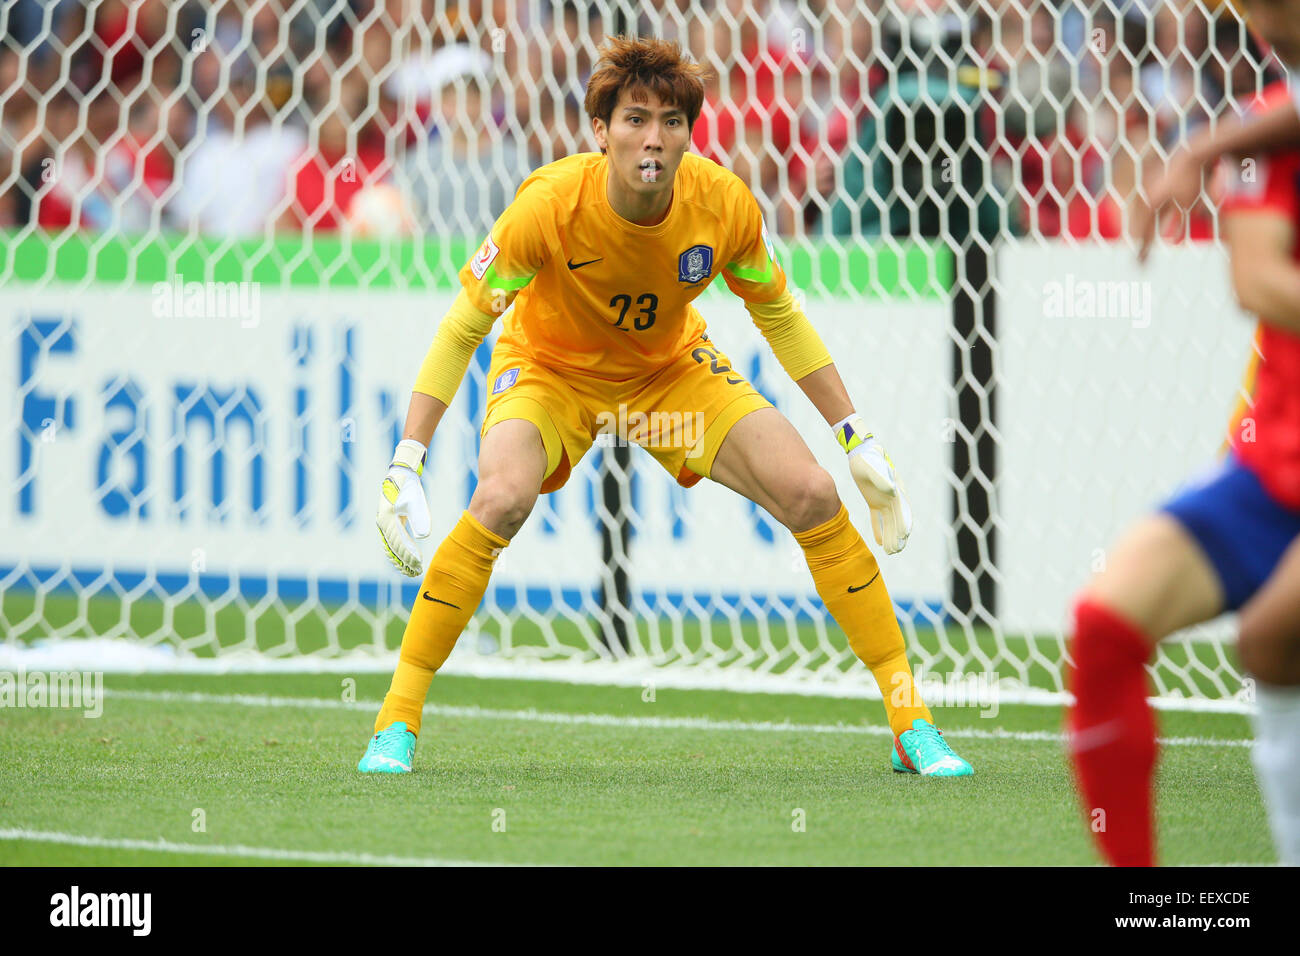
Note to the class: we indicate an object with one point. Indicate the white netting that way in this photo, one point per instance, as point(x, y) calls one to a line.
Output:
point(230, 228)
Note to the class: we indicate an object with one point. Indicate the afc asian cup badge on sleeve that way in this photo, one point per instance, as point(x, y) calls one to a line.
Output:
point(483, 258)
point(695, 264)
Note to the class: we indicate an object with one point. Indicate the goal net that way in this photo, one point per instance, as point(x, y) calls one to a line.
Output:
point(231, 228)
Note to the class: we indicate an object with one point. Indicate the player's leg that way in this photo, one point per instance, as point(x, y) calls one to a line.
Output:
point(1269, 642)
point(764, 458)
point(512, 467)
point(1156, 581)
point(1269, 647)
point(1210, 550)
point(512, 464)
point(1158, 578)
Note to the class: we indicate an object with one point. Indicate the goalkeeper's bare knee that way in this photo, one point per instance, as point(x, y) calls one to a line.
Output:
point(502, 504)
point(807, 500)
point(511, 466)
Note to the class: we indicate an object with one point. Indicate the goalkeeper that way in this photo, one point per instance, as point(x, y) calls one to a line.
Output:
point(602, 255)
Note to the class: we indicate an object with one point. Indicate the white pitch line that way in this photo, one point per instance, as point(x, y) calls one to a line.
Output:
point(611, 720)
point(267, 853)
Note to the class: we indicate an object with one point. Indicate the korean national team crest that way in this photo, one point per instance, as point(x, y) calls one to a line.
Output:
point(505, 380)
point(695, 264)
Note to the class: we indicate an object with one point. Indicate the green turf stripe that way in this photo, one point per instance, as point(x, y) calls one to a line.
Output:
point(909, 270)
point(901, 270)
point(328, 261)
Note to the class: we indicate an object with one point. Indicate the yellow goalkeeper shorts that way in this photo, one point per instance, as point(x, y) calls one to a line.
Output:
point(680, 413)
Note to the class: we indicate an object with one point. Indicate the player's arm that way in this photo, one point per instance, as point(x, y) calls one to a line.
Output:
point(825, 389)
point(461, 331)
point(422, 417)
point(1258, 215)
point(1180, 185)
point(506, 262)
point(755, 276)
point(1265, 278)
point(403, 511)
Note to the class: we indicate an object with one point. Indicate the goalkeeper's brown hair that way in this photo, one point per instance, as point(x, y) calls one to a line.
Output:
point(645, 64)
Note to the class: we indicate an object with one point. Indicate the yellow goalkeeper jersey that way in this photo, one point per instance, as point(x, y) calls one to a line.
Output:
point(604, 297)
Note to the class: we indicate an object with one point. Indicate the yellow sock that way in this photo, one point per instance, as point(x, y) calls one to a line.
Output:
point(848, 580)
point(452, 591)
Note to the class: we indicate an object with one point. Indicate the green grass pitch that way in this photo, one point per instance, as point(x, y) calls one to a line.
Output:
point(514, 771)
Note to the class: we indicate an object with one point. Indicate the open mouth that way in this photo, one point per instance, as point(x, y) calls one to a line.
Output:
point(650, 170)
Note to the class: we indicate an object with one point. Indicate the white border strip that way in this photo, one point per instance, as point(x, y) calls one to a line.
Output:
point(113, 655)
point(612, 720)
point(266, 853)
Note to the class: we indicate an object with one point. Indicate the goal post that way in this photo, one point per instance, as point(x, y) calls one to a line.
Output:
point(229, 230)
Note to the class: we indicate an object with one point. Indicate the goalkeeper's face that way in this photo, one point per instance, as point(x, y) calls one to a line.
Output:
point(645, 141)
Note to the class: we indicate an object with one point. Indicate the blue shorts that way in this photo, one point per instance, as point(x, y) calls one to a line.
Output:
point(1241, 529)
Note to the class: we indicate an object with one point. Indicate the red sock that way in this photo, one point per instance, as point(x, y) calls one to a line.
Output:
point(1113, 733)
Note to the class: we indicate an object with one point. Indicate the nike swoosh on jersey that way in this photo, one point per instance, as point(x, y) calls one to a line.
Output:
point(578, 265)
point(854, 590)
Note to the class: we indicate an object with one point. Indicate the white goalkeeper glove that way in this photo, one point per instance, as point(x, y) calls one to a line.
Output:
point(403, 510)
point(891, 515)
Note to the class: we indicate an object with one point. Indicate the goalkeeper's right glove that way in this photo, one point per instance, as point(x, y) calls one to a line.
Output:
point(403, 510)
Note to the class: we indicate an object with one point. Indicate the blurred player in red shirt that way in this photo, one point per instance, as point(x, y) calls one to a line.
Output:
point(1212, 547)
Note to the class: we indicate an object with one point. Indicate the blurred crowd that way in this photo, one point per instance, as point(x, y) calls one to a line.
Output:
point(240, 118)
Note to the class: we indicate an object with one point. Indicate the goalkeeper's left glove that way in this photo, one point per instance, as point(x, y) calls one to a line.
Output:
point(891, 515)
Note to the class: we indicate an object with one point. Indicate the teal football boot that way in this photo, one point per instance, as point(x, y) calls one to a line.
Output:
point(390, 751)
point(923, 750)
